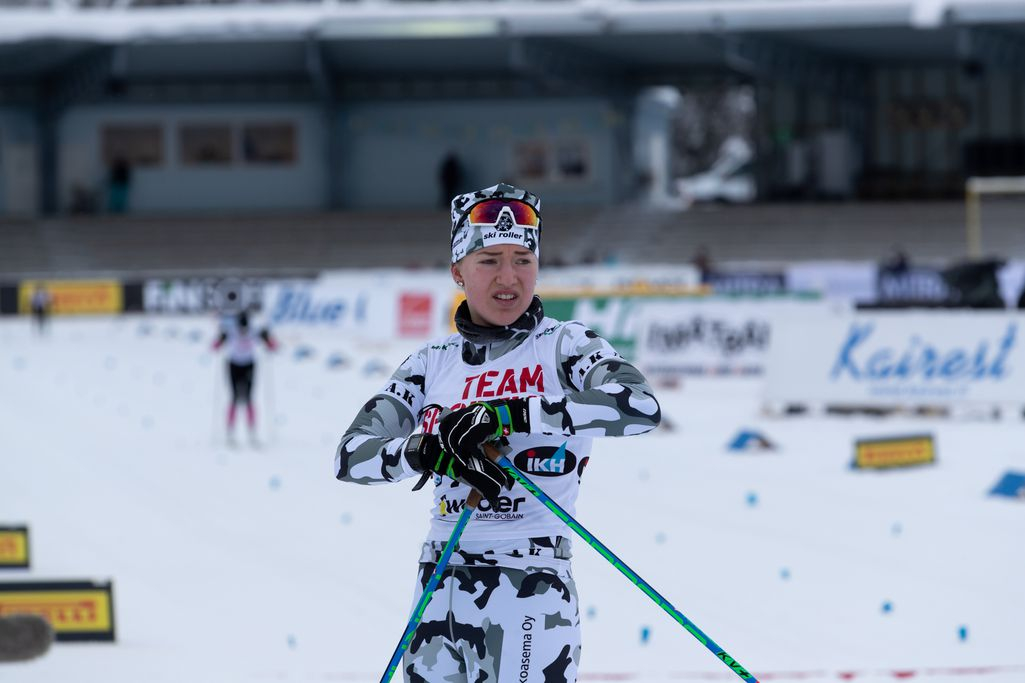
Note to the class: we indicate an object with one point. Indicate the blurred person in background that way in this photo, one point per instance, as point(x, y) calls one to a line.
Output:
point(898, 262)
point(119, 182)
point(242, 342)
point(541, 390)
point(702, 260)
point(450, 177)
point(41, 304)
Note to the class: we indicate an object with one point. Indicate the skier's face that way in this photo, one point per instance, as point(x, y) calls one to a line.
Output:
point(499, 283)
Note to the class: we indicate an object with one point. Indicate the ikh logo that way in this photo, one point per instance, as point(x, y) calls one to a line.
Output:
point(546, 462)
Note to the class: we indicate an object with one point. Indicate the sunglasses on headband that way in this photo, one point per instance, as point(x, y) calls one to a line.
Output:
point(489, 211)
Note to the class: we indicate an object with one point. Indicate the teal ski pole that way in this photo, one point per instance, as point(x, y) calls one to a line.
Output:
point(603, 550)
point(432, 584)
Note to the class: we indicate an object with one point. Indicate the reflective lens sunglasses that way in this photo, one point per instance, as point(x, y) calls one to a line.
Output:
point(489, 211)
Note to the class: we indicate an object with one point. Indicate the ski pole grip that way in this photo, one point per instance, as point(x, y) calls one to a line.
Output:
point(493, 453)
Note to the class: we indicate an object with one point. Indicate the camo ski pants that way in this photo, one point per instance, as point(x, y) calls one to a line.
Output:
point(488, 624)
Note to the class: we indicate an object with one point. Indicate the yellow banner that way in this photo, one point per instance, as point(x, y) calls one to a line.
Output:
point(13, 547)
point(896, 452)
point(75, 610)
point(75, 296)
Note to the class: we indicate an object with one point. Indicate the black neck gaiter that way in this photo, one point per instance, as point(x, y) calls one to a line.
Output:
point(486, 335)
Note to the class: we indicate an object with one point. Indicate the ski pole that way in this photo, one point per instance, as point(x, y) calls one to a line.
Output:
point(603, 550)
point(425, 597)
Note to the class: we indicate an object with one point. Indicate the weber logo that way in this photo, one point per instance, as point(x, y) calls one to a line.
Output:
point(546, 462)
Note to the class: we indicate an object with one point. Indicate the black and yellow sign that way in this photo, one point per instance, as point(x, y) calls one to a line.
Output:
point(75, 296)
point(77, 610)
point(13, 547)
point(903, 451)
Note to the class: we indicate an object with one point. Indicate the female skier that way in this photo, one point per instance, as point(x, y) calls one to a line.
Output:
point(506, 609)
point(242, 342)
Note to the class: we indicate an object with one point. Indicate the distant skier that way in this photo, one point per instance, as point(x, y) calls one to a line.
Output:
point(242, 341)
point(41, 303)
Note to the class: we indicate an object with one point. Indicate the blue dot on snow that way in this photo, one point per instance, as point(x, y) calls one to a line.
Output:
point(275, 483)
point(645, 634)
point(591, 612)
point(752, 499)
point(291, 641)
point(896, 529)
point(962, 633)
point(784, 574)
point(887, 607)
point(660, 538)
point(346, 518)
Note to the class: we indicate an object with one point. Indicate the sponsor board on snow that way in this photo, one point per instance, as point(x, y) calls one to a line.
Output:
point(77, 610)
point(14, 548)
point(893, 452)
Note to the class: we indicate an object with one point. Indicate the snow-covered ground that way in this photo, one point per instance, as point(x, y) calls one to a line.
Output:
point(254, 564)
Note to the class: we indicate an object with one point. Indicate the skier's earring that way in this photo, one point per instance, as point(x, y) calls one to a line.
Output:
point(459, 283)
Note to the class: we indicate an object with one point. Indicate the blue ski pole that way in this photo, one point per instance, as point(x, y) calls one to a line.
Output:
point(573, 524)
point(425, 597)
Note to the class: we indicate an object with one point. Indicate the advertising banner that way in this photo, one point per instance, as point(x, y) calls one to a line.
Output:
point(202, 295)
point(383, 304)
point(77, 610)
point(613, 317)
point(713, 336)
point(8, 299)
point(899, 358)
point(840, 280)
point(746, 282)
point(73, 297)
point(911, 286)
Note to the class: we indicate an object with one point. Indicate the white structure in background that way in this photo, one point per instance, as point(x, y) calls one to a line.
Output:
point(651, 145)
point(729, 179)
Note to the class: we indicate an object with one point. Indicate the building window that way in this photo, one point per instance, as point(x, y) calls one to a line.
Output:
point(205, 144)
point(572, 160)
point(269, 143)
point(530, 160)
point(552, 161)
point(134, 144)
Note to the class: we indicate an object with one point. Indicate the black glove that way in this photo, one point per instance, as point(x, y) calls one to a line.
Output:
point(467, 430)
point(424, 453)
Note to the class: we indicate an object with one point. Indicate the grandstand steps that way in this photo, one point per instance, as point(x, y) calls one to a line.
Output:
point(291, 243)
